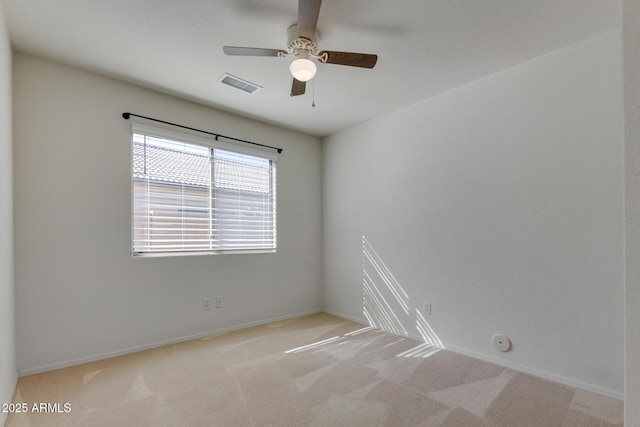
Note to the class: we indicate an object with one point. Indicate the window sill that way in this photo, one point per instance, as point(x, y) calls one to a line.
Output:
point(200, 253)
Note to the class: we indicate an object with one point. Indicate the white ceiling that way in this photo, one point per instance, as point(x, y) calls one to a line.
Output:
point(424, 47)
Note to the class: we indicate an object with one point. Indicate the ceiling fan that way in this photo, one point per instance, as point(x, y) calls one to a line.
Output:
point(302, 47)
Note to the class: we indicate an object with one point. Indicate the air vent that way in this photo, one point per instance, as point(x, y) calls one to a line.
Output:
point(239, 83)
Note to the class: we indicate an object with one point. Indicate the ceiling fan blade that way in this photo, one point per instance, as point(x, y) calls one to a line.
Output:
point(298, 87)
point(363, 60)
point(251, 51)
point(308, 12)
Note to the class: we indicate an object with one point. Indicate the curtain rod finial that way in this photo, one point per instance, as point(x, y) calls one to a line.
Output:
point(126, 115)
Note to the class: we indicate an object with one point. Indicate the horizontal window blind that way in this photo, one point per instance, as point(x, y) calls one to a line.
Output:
point(199, 198)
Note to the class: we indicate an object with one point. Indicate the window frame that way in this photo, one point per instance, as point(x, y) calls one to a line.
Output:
point(210, 143)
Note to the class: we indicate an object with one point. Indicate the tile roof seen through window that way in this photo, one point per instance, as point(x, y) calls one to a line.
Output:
point(169, 166)
point(186, 168)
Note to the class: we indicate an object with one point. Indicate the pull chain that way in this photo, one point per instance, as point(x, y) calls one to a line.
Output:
point(313, 90)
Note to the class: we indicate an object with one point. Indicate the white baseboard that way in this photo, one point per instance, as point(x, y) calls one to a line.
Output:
point(539, 373)
point(8, 398)
point(360, 320)
point(516, 366)
point(81, 360)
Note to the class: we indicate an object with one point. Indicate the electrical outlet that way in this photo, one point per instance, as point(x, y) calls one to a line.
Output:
point(427, 309)
point(219, 302)
point(206, 304)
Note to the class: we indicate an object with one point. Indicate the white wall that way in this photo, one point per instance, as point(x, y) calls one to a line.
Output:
point(79, 294)
point(7, 325)
point(501, 204)
point(631, 37)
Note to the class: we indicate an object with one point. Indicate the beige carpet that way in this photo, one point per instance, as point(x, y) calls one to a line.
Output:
point(318, 370)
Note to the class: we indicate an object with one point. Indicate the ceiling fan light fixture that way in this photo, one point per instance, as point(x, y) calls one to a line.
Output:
point(303, 69)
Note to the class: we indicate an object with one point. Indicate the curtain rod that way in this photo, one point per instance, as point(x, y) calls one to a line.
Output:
point(217, 135)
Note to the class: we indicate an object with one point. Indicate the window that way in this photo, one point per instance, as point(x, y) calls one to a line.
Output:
point(195, 195)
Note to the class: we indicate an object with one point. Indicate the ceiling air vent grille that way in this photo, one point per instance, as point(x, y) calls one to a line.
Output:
point(239, 83)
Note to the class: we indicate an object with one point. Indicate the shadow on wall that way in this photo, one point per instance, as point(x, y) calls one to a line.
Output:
point(386, 305)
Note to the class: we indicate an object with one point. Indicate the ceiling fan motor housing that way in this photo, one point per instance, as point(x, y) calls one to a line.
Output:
point(301, 47)
point(292, 34)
